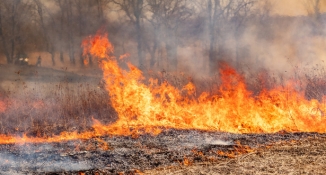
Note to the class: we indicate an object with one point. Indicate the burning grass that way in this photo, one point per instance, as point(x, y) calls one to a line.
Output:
point(133, 105)
point(139, 113)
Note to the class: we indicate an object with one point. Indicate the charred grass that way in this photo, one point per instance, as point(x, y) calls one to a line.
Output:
point(303, 156)
point(173, 152)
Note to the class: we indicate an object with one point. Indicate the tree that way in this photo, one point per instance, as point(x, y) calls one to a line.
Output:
point(15, 23)
point(3, 38)
point(241, 14)
point(222, 18)
point(87, 13)
point(313, 8)
point(61, 4)
point(165, 17)
point(215, 11)
point(134, 10)
point(156, 8)
point(176, 12)
point(46, 31)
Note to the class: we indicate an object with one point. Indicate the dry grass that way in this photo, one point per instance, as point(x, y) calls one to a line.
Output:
point(307, 156)
point(41, 102)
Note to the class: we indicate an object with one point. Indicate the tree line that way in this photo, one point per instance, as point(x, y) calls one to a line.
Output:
point(157, 29)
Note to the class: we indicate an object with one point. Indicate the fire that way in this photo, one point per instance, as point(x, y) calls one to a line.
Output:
point(147, 106)
point(126, 55)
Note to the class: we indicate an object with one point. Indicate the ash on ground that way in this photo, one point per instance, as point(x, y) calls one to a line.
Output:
point(116, 154)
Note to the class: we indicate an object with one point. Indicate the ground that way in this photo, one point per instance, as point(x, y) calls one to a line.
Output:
point(306, 156)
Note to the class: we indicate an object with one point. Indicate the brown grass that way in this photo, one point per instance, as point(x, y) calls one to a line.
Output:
point(41, 102)
point(307, 156)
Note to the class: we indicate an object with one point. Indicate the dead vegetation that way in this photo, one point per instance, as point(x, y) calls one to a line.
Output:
point(43, 101)
point(303, 156)
point(172, 152)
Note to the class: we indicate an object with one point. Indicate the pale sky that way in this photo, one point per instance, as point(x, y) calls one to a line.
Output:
point(294, 7)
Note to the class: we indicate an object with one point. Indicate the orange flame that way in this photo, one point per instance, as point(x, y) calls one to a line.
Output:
point(150, 108)
point(126, 55)
point(86, 62)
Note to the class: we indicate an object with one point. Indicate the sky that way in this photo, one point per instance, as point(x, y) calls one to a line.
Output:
point(288, 7)
point(294, 7)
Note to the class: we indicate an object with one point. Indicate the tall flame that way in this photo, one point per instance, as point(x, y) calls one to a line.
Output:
point(151, 107)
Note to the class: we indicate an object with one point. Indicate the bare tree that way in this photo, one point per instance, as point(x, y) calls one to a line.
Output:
point(46, 31)
point(222, 18)
point(101, 6)
point(215, 13)
point(313, 8)
point(176, 13)
point(241, 15)
point(3, 39)
point(62, 6)
point(134, 10)
point(71, 42)
point(156, 9)
point(15, 16)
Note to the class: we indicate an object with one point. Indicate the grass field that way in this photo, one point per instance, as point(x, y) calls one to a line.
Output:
point(306, 156)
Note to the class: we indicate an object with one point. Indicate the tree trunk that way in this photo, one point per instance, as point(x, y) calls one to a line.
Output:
point(49, 47)
point(52, 58)
point(99, 9)
point(61, 56)
point(4, 43)
point(155, 46)
point(139, 44)
point(211, 29)
point(61, 36)
point(172, 51)
point(90, 59)
point(13, 29)
point(80, 28)
point(71, 38)
point(237, 46)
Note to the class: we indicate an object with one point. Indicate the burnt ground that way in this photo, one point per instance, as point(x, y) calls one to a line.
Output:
point(172, 152)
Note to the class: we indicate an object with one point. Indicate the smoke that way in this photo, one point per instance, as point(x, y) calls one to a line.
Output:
point(272, 37)
point(39, 158)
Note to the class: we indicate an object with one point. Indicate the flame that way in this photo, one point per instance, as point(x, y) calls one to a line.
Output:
point(151, 107)
point(126, 55)
point(86, 61)
point(186, 162)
